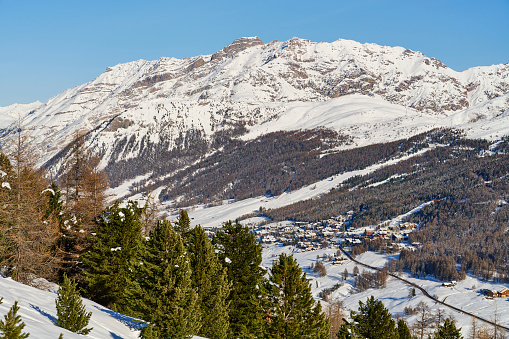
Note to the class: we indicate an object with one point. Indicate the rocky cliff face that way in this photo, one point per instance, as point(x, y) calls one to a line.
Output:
point(249, 88)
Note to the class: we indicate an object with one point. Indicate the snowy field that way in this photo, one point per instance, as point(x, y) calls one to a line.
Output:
point(465, 295)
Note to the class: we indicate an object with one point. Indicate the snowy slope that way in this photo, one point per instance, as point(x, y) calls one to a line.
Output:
point(38, 312)
point(10, 114)
point(215, 216)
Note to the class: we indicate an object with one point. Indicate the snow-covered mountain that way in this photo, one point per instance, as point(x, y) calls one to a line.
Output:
point(369, 92)
point(11, 114)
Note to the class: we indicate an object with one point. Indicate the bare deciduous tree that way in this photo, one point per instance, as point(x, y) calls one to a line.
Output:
point(424, 319)
point(335, 313)
point(84, 185)
point(27, 236)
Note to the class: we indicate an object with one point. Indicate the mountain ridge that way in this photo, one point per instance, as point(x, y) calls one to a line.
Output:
point(368, 92)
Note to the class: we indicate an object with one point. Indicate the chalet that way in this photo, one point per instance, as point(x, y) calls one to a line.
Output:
point(269, 239)
point(503, 293)
point(310, 235)
point(450, 284)
point(490, 294)
point(328, 234)
point(397, 237)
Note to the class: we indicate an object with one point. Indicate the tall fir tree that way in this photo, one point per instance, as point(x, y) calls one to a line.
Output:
point(183, 224)
point(373, 320)
point(403, 330)
point(210, 280)
point(292, 310)
point(115, 254)
point(163, 295)
point(448, 331)
point(347, 331)
point(12, 325)
point(71, 313)
point(240, 253)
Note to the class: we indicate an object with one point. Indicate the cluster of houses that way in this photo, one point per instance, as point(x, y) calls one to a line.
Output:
point(490, 294)
point(306, 236)
point(503, 293)
point(334, 231)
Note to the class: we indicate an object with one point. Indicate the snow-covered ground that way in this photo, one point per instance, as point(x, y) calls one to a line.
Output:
point(465, 295)
point(38, 312)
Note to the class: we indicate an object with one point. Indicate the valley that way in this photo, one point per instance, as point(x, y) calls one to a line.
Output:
point(315, 147)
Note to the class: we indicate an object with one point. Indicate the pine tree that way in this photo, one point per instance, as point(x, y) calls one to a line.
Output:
point(115, 254)
point(163, 296)
point(54, 204)
point(240, 253)
point(403, 330)
point(373, 320)
point(448, 331)
point(210, 280)
point(71, 313)
point(347, 331)
point(12, 325)
point(183, 224)
point(292, 311)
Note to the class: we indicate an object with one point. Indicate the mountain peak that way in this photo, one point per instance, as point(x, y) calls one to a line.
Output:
point(247, 41)
point(237, 46)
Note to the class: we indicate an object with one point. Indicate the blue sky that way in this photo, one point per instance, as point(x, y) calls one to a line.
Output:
point(49, 46)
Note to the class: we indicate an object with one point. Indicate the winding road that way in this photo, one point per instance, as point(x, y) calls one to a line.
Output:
point(426, 293)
